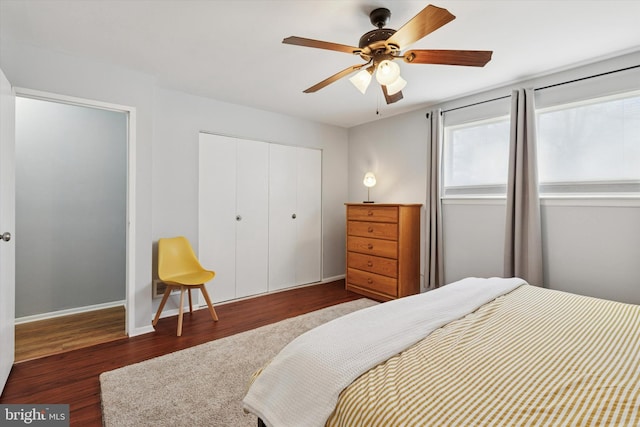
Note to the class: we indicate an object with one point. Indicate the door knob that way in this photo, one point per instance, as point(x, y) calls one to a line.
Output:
point(6, 236)
point(294, 216)
point(238, 218)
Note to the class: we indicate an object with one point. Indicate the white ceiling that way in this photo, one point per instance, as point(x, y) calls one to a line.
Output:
point(232, 51)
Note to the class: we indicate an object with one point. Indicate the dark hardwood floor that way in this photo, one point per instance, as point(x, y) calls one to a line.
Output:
point(72, 377)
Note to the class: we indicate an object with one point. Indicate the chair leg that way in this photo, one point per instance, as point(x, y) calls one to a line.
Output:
point(180, 310)
point(190, 305)
point(165, 297)
point(208, 300)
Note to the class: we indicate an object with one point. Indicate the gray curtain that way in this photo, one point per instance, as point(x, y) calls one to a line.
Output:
point(434, 264)
point(523, 235)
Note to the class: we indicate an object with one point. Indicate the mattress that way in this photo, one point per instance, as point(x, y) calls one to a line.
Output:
point(530, 357)
point(302, 384)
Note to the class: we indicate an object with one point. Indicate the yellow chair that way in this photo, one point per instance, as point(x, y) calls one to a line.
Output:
point(178, 267)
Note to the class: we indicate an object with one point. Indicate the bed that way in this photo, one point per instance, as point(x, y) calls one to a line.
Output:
point(475, 352)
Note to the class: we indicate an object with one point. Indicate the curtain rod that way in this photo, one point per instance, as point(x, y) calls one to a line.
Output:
point(475, 103)
point(588, 77)
point(545, 87)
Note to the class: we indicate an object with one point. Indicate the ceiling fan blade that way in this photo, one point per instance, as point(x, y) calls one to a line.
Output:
point(427, 21)
point(472, 58)
point(391, 98)
point(337, 76)
point(301, 41)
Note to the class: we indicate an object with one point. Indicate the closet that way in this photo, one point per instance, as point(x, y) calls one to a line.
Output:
point(259, 215)
point(294, 216)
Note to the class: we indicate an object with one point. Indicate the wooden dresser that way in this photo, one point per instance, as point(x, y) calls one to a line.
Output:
point(383, 249)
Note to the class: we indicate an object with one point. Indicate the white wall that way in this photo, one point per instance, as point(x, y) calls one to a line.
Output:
point(590, 247)
point(42, 70)
point(167, 129)
point(180, 117)
point(474, 238)
point(593, 247)
point(395, 150)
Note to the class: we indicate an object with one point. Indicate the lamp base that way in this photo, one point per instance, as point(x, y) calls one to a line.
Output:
point(368, 201)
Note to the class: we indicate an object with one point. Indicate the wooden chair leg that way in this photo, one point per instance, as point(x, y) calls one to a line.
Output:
point(208, 300)
point(180, 310)
point(165, 297)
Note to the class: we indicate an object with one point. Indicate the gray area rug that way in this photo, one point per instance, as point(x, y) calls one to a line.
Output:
point(203, 385)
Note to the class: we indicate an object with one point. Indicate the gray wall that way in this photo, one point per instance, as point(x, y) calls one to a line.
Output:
point(179, 118)
point(28, 67)
point(395, 150)
point(590, 244)
point(166, 141)
point(165, 158)
point(71, 165)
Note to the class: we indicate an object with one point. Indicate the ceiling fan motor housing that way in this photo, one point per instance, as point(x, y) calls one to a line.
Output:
point(380, 17)
point(381, 34)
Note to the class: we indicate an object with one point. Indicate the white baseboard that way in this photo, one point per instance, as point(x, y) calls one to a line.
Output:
point(141, 331)
point(333, 279)
point(60, 313)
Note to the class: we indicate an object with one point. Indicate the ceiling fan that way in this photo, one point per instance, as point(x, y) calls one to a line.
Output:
point(382, 46)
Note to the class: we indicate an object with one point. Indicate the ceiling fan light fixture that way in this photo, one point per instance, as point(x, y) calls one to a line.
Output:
point(388, 72)
point(396, 86)
point(361, 80)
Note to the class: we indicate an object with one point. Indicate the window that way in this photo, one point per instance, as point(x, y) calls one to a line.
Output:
point(476, 157)
point(591, 146)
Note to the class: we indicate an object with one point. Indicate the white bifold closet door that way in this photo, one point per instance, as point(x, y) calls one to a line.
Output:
point(295, 224)
point(233, 215)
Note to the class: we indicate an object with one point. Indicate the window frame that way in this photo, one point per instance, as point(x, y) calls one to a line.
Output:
point(493, 190)
point(586, 188)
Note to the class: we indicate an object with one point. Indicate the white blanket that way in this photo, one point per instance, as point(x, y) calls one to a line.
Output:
point(301, 385)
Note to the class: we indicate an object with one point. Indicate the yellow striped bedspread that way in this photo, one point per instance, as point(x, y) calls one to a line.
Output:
point(532, 357)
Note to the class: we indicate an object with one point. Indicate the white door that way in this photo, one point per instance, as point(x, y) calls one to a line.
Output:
point(282, 216)
point(7, 225)
point(252, 217)
point(308, 263)
point(233, 215)
point(295, 234)
point(217, 213)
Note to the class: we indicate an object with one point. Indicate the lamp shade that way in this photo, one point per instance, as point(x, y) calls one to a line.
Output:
point(396, 86)
point(369, 179)
point(388, 72)
point(361, 80)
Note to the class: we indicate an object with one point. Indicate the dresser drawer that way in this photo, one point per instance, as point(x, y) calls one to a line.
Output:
point(373, 213)
point(372, 281)
point(379, 247)
point(374, 264)
point(379, 230)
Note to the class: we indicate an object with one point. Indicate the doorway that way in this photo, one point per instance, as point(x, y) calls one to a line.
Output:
point(71, 207)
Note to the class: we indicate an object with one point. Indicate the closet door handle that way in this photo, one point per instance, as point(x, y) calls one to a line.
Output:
point(6, 236)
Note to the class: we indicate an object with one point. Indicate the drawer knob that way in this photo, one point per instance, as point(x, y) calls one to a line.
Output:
point(370, 246)
point(369, 280)
point(370, 213)
point(369, 264)
point(370, 229)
